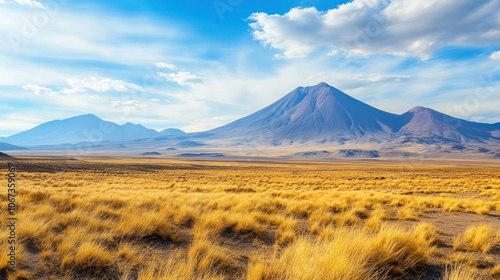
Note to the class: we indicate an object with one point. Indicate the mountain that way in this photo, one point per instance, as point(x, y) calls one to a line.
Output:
point(169, 134)
point(311, 113)
point(5, 156)
point(189, 144)
point(427, 123)
point(9, 147)
point(324, 114)
point(172, 132)
point(85, 128)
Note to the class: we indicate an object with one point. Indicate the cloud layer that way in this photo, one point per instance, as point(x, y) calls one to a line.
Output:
point(397, 27)
point(86, 85)
point(31, 3)
point(183, 78)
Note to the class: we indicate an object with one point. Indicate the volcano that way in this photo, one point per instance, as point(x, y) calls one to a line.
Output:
point(322, 113)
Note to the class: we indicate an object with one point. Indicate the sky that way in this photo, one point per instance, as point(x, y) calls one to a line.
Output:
point(196, 65)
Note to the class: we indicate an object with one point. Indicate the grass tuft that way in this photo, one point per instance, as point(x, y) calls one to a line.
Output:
point(89, 257)
point(476, 238)
point(460, 272)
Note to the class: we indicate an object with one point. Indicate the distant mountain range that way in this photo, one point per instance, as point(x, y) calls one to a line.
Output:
point(85, 128)
point(314, 115)
point(10, 147)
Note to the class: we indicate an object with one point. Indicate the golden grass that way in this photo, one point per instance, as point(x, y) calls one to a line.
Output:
point(460, 272)
point(215, 220)
point(145, 224)
point(89, 256)
point(495, 271)
point(480, 237)
point(130, 255)
point(175, 267)
point(466, 259)
point(408, 213)
point(348, 254)
point(207, 257)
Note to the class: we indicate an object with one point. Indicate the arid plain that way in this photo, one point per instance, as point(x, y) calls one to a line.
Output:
point(137, 218)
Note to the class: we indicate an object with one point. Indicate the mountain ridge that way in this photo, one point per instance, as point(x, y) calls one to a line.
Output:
point(77, 129)
point(321, 110)
point(324, 113)
point(319, 114)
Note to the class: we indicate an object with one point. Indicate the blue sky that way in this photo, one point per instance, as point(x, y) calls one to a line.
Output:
point(196, 65)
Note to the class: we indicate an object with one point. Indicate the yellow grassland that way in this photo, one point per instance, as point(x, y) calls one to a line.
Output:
point(166, 219)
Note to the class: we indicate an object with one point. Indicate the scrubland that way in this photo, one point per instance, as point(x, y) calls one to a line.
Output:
point(165, 219)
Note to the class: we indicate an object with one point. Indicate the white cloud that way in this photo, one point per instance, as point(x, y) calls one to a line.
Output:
point(495, 55)
point(40, 33)
point(57, 33)
point(164, 65)
point(98, 85)
point(378, 78)
point(128, 105)
point(182, 78)
point(374, 76)
point(31, 3)
point(364, 27)
point(39, 90)
point(85, 85)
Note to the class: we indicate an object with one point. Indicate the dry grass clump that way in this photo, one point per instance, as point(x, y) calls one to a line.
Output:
point(32, 231)
point(129, 254)
point(207, 257)
point(427, 232)
point(348, 254)
point(495, 271)
point(214, 223)
point(480, 207)
point(452, 206)
point(460, 258)
point(476, 238)
point(39, 197)
point(286, 231)
point(408, 213)
point(183, 215)
point(175, 267)
point(90, 257)
point(204, 260)
point(146, 224)
point(321, 219)
point(461, 272)
point(313, 260)
point(374, 223)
